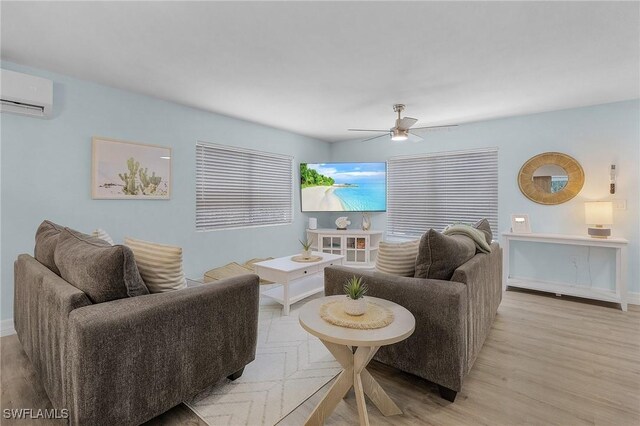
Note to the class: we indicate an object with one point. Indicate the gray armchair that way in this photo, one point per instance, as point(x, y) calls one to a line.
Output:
point(128, 360)
point(453, 318)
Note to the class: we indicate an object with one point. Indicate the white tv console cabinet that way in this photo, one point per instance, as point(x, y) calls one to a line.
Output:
point(617, 295)
point(358, 247)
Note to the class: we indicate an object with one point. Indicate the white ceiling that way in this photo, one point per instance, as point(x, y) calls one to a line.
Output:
point(318, 68)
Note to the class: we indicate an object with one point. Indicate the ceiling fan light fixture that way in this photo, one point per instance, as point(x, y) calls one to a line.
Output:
point(400, 132)
point(399, 135)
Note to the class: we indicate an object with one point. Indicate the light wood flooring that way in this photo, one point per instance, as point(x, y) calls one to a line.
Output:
point(547, 360)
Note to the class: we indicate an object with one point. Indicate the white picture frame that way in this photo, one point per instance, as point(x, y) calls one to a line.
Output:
point(111, 171)
point(520, 224)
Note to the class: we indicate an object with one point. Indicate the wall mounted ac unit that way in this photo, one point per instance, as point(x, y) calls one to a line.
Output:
point(25, 94)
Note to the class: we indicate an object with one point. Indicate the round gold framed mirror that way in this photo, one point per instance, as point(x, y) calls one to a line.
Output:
point(551, 178)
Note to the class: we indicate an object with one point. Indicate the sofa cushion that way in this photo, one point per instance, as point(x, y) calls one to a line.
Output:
point(160, 265)
point(251, 264)
point(439, 255)
point(46, 242)
point(397, 258)
point(103, 235)
point(104, 272)
point(484, 226)
point(229, 270)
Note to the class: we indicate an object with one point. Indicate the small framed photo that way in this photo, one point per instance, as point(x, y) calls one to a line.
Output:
point(127, 170)
point(520, 224)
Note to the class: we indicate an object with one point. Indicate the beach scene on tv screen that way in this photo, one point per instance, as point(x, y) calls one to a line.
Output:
point(338, 187)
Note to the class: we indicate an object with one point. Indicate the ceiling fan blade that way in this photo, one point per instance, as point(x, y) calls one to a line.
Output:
point(447, 126)
point(368, 130)
point(414, 138)
point(376, 137)
point(406, 123)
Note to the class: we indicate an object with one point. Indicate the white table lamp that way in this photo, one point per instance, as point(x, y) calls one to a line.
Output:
point(598, 214)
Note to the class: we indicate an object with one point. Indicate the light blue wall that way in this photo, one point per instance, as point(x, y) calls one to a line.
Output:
point(596, 136)
point(46, 174)
point(46, 166)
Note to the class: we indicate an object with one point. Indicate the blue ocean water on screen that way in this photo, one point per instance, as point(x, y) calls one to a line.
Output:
point(364, 197)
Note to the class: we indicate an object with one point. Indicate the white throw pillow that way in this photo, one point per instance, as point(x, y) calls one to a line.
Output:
point(160, 265)
point(397, 258)
point(102, 234)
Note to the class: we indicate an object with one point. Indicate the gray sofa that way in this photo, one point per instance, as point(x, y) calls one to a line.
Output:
point(453, 317)
point(125, 361)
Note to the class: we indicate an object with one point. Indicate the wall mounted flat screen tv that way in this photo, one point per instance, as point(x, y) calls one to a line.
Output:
point(343, 187)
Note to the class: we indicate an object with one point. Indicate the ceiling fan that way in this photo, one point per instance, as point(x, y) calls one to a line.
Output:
point(401, 131)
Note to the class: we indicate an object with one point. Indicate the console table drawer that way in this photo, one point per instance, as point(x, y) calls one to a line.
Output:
point(334, 263)
point(303, 272)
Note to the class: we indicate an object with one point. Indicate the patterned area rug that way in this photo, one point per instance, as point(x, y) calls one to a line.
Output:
point(290, 366)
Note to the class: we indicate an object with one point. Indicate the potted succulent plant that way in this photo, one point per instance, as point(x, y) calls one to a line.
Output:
point(355, 290)
point(306, 249)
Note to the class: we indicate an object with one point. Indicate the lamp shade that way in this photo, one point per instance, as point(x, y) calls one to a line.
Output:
point(598, 212)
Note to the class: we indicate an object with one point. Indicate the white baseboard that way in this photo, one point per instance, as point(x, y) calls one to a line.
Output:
point(633, 298)
point(6, 328)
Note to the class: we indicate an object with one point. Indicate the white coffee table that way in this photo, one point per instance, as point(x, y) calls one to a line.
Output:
point(341, 341)
point(299, 279)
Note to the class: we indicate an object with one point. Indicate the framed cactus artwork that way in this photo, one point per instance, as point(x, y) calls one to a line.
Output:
point(127, 170)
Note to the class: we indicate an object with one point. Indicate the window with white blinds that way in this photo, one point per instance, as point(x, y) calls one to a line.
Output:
point(438, 189)
point(237, 188)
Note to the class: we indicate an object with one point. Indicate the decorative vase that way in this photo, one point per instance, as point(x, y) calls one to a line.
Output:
point(366, 222)
point(355, 307)
point(306, 254)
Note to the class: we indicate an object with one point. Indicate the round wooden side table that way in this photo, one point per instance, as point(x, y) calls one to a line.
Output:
point(342, 343)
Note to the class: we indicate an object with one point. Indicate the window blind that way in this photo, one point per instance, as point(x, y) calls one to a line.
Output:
point(438, 189)
point(241, 188)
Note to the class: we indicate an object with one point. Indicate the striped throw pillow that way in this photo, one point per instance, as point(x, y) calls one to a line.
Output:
point(397, 258)
point(102, 234)
point(160, 265)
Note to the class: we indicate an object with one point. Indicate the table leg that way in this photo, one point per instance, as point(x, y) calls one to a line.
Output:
point(362, 406)
point(354, 375)
point(364, 383)
point(505, 263)
point(285, 306)
point(378, 396)
point(336, 392)
point(362, 357)
point(621, 276)
point(341, 353)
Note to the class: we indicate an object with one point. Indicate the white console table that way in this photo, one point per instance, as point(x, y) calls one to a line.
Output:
point(618, 295)
point(359, 248)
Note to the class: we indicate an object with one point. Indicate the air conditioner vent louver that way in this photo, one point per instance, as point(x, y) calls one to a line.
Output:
point(21, 108)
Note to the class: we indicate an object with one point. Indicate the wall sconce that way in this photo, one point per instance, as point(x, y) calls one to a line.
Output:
point(598, 213)
point(612, 180)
